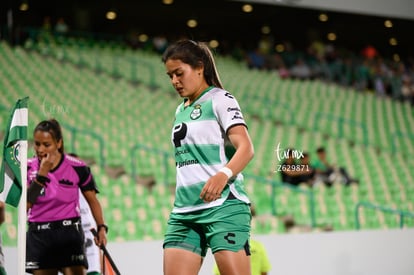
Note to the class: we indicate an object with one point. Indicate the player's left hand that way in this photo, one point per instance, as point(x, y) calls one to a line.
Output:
point(101, 240)
point(213, 187)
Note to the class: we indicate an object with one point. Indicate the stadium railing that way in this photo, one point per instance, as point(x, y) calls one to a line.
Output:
point(153, 151)
point(276, 185)
point(398, 135)
point(402, 214)
point(341, 121)
point(81, 54)
point(74, 133)
point(272, 113)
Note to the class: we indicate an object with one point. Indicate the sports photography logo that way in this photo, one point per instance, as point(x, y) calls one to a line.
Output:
point(53, 109)
point(290, 159)
point(283, 154)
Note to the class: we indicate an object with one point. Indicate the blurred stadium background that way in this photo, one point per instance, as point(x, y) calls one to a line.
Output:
point(104, 81)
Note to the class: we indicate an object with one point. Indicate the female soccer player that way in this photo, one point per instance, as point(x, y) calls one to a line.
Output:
point(212, 147)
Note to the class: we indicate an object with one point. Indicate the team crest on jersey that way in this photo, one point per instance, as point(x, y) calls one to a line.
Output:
point(196, 113)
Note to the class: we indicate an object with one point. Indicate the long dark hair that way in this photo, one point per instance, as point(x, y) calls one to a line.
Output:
point(195, 54)
point(51, 126)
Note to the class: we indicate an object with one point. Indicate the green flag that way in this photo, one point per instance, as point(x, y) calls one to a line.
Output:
point(16, 132)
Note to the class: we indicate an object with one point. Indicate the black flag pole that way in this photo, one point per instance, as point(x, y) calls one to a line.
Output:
point(106, 253)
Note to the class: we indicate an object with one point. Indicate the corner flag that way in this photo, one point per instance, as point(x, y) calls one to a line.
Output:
point(16, 132)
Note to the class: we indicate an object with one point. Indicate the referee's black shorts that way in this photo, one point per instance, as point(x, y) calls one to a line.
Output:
point(55, 245)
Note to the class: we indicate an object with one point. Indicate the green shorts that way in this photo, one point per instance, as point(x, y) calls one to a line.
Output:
point(225, 227)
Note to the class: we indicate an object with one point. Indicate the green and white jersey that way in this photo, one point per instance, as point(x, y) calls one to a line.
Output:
point(202, 148)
